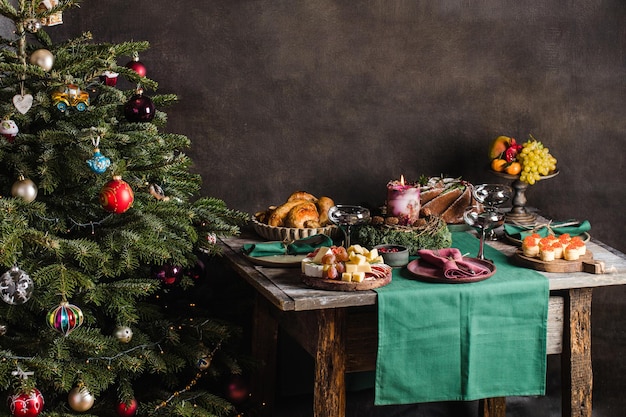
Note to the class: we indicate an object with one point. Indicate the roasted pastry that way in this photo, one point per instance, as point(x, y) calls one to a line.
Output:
point(302, 195)
point(323, 205)
point(302, 213)
point(278, 216)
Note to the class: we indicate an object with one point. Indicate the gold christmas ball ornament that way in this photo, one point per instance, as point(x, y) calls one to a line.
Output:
point(123, 333)
point(42, 58)
point(80, 399)
point(24, 188)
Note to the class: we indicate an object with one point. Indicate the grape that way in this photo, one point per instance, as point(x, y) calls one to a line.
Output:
point(536, 161)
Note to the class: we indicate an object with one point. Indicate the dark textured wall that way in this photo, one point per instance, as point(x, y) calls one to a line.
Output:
point(337, 97)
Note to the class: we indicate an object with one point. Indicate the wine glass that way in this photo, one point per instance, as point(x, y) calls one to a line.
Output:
point(346, 216)
point(483, 222)
point(491, 196)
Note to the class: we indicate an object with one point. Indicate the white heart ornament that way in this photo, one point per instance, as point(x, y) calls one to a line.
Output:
point(23, 103)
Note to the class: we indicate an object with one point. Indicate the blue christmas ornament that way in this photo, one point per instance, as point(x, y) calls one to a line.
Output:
point(98, 162)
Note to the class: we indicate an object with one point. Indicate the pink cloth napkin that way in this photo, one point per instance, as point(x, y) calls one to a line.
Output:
point(452, 263)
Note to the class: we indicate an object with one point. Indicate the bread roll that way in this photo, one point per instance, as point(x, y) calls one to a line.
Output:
point(278, 216)
point(302, 195)
point(302, 213)
point(323, 205)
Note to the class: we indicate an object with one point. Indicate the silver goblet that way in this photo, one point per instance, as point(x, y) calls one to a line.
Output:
point(346, 216)
point(483, 222)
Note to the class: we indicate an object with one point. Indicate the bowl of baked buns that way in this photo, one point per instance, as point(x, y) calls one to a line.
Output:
point(301, 215)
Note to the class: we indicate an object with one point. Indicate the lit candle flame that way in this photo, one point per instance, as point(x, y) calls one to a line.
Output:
point(401, 179)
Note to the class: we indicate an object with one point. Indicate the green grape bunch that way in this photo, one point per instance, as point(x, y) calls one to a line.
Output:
point(536, 161)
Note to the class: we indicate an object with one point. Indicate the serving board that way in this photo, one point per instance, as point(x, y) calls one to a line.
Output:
point(585, 263)
point(338, 285)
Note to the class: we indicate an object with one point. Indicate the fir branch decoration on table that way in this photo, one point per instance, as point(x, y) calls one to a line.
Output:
point(81, 263)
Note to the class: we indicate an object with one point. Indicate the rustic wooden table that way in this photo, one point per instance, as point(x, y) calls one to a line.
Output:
point(339, 329)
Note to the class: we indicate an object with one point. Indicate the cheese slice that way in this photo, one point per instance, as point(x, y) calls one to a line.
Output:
point(352, 268)
point(358, 276)
point(356, 249)
point(358, 259)
point(323, 251)
point(372, 255)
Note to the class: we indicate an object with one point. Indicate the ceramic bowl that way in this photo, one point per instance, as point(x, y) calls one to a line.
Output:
point(394, 255)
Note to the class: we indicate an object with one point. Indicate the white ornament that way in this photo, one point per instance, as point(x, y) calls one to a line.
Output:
point(123, 333)
point(23, 102)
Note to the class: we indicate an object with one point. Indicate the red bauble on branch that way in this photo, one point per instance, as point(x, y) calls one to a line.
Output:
point(116, 196)
point(137, 66)
point(26, 404)
point(168, 274)
point(139, 108)
point(127, 410)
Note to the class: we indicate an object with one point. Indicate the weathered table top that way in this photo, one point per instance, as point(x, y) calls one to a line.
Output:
point(283, 286)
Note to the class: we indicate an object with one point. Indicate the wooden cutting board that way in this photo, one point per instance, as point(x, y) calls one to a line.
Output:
point(585, 263)
point(338, 285)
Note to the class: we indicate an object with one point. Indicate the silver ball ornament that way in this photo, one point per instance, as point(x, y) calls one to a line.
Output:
point(43, 58)
point(16, 286)
point(24, 188)
point(80, 399)
point(32, 25)
point(123, 333)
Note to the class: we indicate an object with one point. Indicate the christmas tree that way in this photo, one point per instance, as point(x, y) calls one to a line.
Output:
point(102, 233)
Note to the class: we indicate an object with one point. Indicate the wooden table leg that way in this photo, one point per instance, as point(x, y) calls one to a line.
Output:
point(577, 373)
point(264, 349)
point(492, 407)
point(329, 397)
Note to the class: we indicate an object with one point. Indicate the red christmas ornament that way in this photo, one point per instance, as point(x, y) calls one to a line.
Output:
point(137, 66)
point(139, 108)
point(116, 196)
point(168, 274)
point(9, 129)
point(109, 78)
point(127, 410)
point(237, 390)
point(26, 404)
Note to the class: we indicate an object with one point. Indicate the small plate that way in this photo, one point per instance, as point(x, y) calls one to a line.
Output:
point(276, 261)
point(427, 272)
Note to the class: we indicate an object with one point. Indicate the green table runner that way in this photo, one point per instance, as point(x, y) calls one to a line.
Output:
point(440, 342)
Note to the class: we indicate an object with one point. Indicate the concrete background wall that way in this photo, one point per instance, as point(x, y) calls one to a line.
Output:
point(337, 97)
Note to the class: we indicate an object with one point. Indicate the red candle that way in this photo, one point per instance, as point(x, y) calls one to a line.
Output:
point(403, 201)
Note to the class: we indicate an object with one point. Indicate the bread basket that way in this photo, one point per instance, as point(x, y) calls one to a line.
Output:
point(287, 234)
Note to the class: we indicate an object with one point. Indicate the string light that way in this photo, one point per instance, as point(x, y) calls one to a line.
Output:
point(191, 383)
